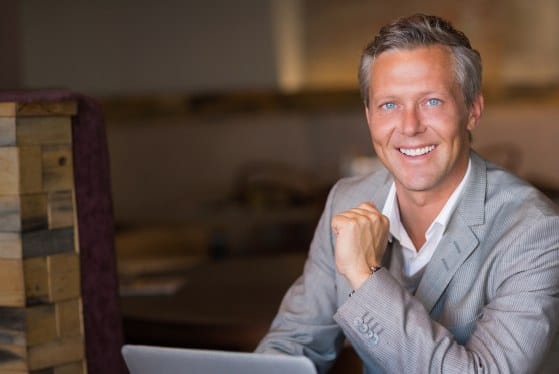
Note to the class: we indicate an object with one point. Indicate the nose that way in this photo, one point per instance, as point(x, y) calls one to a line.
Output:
point(411, 123)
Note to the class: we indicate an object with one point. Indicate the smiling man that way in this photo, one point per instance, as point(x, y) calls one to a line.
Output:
point(442, 261)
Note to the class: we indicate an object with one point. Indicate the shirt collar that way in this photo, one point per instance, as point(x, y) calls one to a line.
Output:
point(392, 211)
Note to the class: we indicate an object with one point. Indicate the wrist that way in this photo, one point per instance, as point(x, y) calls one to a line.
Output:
point(357, 280)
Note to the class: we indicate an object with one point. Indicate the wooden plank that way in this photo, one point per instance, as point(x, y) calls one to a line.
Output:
point(20, 170)
point(8, 109)
point(60, 209)
point(71, 368)
point(10, 246)
point(56, 353)
point(47, 242)
point(47, 123)
point(57, 167)
point(41, 324)
point(44, 130)
point(30, 170)
point(52, 278)
point(69, 318)
point(13, 358)
point(12, 326)
point(34, 213)
point(36, 275)
point(10, 213)
point(58, 108)
point(12, 289)
point(64, 276)
point(7, 131)
point(23, 212)
point(9, 171)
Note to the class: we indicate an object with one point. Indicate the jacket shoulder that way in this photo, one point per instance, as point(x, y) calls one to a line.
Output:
point(505, 188)
point(352, 191)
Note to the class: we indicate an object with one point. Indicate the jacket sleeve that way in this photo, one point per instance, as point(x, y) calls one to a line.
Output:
point(304, 324)
point(511, 335)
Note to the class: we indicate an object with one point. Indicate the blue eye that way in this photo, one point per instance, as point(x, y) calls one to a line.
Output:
point(388, 106)
point(433, 102)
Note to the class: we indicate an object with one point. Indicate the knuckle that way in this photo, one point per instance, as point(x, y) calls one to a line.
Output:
point(385, 220)
point(375, 217)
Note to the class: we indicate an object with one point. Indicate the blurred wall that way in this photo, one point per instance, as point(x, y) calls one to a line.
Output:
point(129, 47)
point(165, 167)
point(10, 77)
point(169, 170)
point(518, 39)
point(138, 46)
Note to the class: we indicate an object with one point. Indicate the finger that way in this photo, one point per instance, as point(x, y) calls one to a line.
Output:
point(347, 219)
point(337, 222)
point(356, 213)
point(369, 206)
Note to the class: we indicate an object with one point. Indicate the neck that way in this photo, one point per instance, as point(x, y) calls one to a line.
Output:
point(417, 216)
point(418, 209)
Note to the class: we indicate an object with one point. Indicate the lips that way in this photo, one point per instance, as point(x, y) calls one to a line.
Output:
point(414, 152)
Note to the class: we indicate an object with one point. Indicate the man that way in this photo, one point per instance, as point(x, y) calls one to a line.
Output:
point(442, 262)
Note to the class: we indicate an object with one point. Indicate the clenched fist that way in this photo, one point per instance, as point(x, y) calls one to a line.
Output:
point(361, 240)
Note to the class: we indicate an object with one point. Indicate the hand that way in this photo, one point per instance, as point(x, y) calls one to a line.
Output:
point(361, 240)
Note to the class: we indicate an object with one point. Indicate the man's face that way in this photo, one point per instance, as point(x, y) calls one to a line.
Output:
point(418, 119)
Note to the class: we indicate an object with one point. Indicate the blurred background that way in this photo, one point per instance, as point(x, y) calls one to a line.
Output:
point(228, 121)
point(207, 101)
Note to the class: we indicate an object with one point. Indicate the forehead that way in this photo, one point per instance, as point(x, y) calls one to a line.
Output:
point(436, 55)
point(423, 65)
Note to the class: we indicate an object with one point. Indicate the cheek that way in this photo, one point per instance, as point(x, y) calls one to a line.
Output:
point(446, 125)
point(437, 117)
point(380, 139)
point(376, 134)
point(381, 128)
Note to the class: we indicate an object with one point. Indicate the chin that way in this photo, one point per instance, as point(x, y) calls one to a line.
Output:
point(417, 184)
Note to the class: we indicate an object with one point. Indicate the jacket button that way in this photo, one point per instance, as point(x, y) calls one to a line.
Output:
point(363, 328)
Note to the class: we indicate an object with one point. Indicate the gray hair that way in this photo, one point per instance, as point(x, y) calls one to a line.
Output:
point(424, 30)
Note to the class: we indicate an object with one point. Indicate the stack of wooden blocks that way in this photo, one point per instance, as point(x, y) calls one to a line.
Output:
point(41, 324)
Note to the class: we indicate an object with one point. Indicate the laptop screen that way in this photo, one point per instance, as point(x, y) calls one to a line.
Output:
point(161, 360)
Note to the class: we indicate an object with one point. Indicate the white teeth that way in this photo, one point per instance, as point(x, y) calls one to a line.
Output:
point(417, 151)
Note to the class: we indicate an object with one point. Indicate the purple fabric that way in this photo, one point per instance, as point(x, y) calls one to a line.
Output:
point(102, 318)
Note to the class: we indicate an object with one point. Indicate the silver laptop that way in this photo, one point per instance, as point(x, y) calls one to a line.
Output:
point(142, 359)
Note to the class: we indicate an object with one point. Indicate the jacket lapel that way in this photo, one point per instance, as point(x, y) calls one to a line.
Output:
point(459, 240)
point(450, 254)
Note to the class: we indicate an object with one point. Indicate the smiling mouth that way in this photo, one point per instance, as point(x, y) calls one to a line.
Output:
point(414, 152)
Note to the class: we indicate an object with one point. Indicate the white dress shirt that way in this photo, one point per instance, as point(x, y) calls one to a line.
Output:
point(414, 260)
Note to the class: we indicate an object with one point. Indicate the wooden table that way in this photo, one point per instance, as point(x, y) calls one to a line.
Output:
point(226, 305)
point(223, 305)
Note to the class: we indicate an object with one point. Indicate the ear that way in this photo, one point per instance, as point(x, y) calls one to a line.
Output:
point(474, 115)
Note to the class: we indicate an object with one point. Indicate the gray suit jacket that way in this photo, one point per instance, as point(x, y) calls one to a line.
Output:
point(487, 302)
